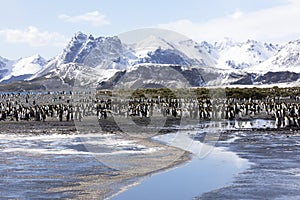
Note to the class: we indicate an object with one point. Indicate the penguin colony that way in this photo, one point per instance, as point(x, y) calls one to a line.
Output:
point(61, 106)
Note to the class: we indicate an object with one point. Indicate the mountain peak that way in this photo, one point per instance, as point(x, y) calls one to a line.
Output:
point(73, 47)
point(35, 57)
point(226, 43)
point(86, 54)
point(80, 35)
point(297, 41)
point(91, 37)
point(249, 41)
point(23, 67)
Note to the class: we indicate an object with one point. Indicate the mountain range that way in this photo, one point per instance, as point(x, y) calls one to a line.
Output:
point(154, 62)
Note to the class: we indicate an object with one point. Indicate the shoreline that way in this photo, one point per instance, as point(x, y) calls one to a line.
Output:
point(228, 137)
point(110, 126)
point(205, 165)
point(98, 185)
point(87, 183)
point(274, 172)
point(186, 158)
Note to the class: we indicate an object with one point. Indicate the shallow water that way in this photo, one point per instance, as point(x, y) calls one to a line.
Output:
point(210, 168)
point(203, 173)
point(275, 172)
point(56, 165)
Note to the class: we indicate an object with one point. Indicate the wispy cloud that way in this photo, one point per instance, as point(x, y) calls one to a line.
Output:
point(33, 37)
point(94, 18)
point(280, 23)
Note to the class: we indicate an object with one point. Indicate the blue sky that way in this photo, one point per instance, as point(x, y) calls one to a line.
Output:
point(34, 26)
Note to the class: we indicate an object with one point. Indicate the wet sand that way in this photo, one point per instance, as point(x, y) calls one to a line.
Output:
point(64, 176)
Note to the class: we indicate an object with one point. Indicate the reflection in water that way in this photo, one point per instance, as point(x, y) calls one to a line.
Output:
point(211, 169)
point(238, 124)
point(47, 166)
point(257, 123)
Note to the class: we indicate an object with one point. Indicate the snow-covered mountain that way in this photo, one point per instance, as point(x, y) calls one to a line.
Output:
point(99, 53)
point(78, 74)
point(242, 55)
point(12, 70)
point(286, 59)
point(107, 59)
point(4, 69)
point(95, 52)
point(157, 50)
point(109, 54)
point(155, 76)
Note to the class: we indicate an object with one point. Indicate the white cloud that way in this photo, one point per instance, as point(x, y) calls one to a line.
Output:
point(94, 18)
point(237, 14)
point(278, 24)
point(33, 37)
